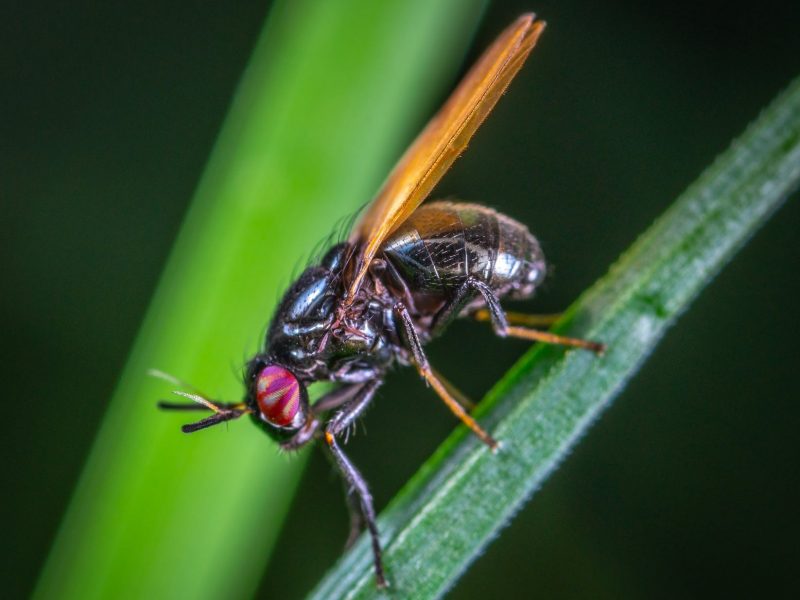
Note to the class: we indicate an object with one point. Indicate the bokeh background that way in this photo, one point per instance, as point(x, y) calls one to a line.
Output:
point(687, 486)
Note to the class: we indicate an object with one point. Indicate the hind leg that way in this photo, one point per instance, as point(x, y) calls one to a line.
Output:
point(495, 314)
point(516, 318)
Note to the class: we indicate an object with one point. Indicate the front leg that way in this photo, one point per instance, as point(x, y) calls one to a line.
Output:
point(303, 436)
point(333, 399)
point(357, 488)
point(359, 499)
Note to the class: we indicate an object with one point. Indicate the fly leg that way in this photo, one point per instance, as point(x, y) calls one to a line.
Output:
point(335, 398)
point(357, 492)
point(340, 422)
point(516, 318)
point(454, 391)
point(421, 361)
point(353, 508)
point(303, 436)
point(502, 328)
point(356, 516)
point(329, 401)
point(500, 322)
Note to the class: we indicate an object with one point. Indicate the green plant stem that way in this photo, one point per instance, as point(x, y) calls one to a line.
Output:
point(463, 495)
point(330, 96)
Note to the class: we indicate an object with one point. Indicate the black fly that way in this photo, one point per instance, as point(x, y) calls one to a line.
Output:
point(405, 273)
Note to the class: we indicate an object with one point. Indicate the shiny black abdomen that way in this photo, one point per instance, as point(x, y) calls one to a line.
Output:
point(443, 243)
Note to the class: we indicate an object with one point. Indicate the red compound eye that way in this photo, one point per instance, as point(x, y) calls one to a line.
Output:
point(278, 395)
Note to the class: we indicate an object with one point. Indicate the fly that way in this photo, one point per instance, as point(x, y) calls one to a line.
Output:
point(405, 273)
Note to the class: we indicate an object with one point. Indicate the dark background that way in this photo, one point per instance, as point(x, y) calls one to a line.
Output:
point(688, 484)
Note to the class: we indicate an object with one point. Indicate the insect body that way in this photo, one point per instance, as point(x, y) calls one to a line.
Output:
point(405, 273)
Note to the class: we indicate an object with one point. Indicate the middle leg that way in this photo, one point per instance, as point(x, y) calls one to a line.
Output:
point(414, 344)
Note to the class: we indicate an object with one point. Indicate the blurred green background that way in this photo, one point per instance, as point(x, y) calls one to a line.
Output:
point(688, 484)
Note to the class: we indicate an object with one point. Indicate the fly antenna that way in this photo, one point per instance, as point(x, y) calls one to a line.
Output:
point(223, 411)
point(159, 374)
point(219, 417)
point(201, 401)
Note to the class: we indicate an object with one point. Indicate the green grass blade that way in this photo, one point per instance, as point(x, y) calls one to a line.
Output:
point(330, 96)
point(463, 495)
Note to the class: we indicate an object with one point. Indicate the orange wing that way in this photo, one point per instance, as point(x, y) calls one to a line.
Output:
point(443, 140)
